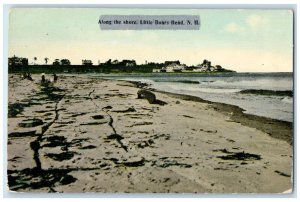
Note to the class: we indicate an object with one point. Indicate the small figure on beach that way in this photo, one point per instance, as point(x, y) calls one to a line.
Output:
point(55, 77)
point(43, 78)
point(29, 77)
point(23, 76)
point(26, 76)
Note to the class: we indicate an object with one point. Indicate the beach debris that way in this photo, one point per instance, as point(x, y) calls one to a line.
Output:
point(61, 141)
point(240, 156)
point(130, 109)
point(78, 114)
point(107, 107)
point(164, 162)
point(143, 132)
point(98, 117)
point(29, 123)
point(118, 138)
point(23, 134)
point(221, 169)
point(146, 143)
point(282, 173)
point(160, 102)
point(132, 162)
point(221, 150)
point(164, 136)
point(121, 95)
point(36, 179)
point(188, 116)
point(230, 140)
point(88, 147)
point(145, 94)
point(16, 108)
point(89, 123)
point(141, 124)
point(140, 84)
point(114, 136)
point(61, 156)
point(209, 131)
point(54, 141)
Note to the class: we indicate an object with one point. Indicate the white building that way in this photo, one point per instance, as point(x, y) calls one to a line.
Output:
point(156, 70)
point(175, 68)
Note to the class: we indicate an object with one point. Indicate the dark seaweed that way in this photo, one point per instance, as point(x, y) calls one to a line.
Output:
point(241, 156)
point(288, 93)
point(42, 178)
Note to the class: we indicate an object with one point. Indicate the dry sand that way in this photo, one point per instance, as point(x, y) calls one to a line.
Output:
point(92, 135)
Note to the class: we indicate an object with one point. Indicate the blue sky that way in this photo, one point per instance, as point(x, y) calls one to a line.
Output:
point(244, 40)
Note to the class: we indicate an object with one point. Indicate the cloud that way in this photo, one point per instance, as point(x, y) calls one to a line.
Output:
point(252, 22)
point(256, 21)
point(233, 28)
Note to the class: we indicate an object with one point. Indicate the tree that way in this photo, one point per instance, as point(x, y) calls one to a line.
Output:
point(35, 59)
point(46, 60)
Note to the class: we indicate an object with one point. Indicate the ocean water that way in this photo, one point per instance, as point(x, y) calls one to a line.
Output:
point(227, 88)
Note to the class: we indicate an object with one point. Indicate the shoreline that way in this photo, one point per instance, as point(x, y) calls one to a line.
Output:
point(279, 129)
point(266, 97)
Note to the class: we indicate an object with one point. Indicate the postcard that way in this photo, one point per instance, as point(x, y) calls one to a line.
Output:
point(150, 100)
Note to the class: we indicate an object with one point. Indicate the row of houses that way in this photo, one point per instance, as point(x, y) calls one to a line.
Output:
point(61, 62)
point(175, 66)
point(86, 62)
point(167, 66)
point(65, 62)
point(17, 61)
point(126, 63)
point(171, 68)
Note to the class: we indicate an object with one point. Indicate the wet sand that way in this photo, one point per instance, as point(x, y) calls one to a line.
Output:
point(91, 135)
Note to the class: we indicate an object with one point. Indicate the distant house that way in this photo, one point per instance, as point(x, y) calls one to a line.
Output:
point(172, 62)
point(56, 62)
point(87, 62)
point(16, 61)
point(206, 63)
point(128, 63)
point(65, 62)
point(174, 67)
point(156, 70)
point(218, 68)
point(198, 69)
point(61, 62)
point(115, 62)
point(171, 67)
point(163, 69)
point(204, 67)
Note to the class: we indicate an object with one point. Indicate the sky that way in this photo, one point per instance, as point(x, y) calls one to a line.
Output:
point(250, 40)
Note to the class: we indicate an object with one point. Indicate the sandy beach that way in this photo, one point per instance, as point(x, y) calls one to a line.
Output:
point(89, 135)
